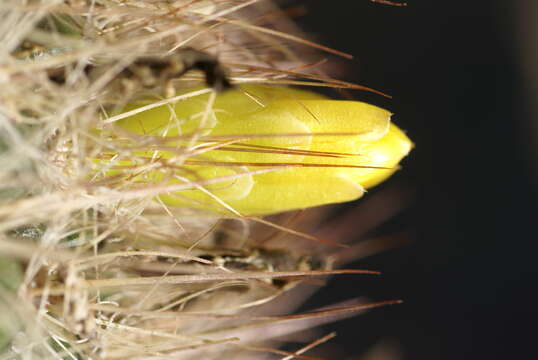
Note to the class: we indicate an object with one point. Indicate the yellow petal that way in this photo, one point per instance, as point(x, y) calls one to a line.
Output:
point(324, 149)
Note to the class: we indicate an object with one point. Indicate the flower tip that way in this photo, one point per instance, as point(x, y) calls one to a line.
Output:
point(386, 152)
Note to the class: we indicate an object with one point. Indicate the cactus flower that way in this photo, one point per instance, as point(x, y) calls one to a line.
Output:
point(316, 150)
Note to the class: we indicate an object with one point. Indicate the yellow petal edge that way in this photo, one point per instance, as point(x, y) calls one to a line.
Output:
point(331, 139)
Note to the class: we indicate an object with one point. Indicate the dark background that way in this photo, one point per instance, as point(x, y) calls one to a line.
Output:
point(456, 72)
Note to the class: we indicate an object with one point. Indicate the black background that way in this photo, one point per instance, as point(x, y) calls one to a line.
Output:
point(468, 279)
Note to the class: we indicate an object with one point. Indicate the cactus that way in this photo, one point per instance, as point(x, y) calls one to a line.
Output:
point(140, 144)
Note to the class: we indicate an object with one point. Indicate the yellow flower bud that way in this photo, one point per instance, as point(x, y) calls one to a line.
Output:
point(316, 151)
